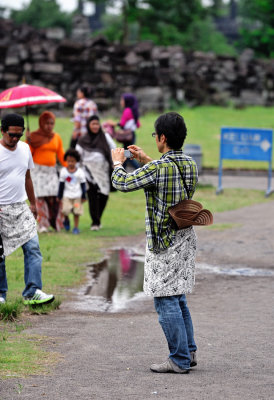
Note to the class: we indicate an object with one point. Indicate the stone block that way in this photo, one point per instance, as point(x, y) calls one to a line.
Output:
point(153, 98)
point(8, 76)
point(132, 59)
point(12, 60)
point(27, 67)
point(55, 33)
point(50, 68)
point(36, 48)
point(251, 97)
point(103, 66)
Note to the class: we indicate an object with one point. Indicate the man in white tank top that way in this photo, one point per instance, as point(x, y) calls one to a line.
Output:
point(17, 219)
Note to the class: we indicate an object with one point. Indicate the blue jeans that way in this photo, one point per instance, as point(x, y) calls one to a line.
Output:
point(33, 269)
point(175, 319)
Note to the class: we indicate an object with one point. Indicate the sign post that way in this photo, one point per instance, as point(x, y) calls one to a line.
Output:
point(246, 144)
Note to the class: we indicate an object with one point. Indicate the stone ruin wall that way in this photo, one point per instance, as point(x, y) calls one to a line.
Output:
point(159, 76)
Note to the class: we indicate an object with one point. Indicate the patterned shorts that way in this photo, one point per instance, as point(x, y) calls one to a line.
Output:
point(74, 206)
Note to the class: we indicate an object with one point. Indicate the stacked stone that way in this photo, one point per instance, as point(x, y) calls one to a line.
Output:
point(159, 76)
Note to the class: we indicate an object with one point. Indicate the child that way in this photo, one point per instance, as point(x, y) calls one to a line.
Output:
point(72, 189)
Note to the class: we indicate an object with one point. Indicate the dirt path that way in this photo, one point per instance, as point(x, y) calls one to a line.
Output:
point(107, 356)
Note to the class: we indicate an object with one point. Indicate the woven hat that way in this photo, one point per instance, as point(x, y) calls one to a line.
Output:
point(190, 212)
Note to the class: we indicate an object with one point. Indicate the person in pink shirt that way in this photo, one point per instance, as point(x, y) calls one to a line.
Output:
point(130, 120)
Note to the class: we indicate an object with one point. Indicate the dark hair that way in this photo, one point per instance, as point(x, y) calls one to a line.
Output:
point(172, 125)
point(132, 102)
point(85, 90)
point(12, 120)
point(92, 118)
point(72, 153)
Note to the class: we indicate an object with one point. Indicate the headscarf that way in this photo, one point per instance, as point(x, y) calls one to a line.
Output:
point(95, 142)
point(40, 137)
point(132, 103)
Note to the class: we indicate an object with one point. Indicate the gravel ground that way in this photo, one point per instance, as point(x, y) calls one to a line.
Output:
point(107, 356)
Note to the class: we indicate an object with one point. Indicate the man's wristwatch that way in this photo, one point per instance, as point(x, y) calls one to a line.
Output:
point(117, 163)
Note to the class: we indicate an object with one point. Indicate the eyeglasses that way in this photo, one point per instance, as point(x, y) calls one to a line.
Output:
point(154, 134)
point(15, 135)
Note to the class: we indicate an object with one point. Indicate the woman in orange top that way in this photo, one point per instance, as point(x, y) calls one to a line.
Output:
point(46, 146)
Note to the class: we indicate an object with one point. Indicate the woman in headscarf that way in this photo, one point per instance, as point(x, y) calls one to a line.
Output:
point(95, 150)
point(46, 147)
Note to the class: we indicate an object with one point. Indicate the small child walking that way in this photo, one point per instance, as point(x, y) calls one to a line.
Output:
point(72, 189)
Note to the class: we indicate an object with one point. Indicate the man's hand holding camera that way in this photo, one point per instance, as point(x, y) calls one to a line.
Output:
point(139, 154)
point(119, 155)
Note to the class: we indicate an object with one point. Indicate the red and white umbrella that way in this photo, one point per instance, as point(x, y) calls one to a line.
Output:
point(27, 95)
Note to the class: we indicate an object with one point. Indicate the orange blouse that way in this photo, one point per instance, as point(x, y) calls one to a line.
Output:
point(47, 153)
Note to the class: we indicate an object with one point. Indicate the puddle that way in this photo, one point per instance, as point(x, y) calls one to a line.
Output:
point(116, 283)
point(244, 271)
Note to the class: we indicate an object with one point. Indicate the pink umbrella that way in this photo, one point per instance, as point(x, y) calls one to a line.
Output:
point(27, 95)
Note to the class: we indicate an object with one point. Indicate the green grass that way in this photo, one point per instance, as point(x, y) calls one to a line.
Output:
point(203, 123)
point(11, 310)
point(22, 355)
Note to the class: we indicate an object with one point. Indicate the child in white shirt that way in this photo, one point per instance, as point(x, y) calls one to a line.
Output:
point(72, 189)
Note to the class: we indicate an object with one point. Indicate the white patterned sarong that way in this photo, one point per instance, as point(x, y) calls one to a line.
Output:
point(45, 180)
point(17, 226)
point(171, 272)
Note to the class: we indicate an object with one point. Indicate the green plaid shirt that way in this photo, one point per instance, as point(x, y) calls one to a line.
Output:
point(163, 187)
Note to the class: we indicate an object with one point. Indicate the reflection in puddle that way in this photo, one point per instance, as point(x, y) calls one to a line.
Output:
point(116, 283)
point(117, 279)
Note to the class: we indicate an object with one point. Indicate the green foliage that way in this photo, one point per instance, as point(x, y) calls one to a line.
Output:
point(180, 13)
point(261, 40)
point(202, 35)
point(112, 28)
point(258, 26)
point(43, 14)
point(217, 9)
point(166, 23)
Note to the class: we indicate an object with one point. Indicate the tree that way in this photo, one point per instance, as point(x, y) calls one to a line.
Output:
point(155, 15)
point(166, 22)
point(43, 14)
point(258, 26)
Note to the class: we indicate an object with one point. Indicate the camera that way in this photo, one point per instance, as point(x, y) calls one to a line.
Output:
point(128, 154)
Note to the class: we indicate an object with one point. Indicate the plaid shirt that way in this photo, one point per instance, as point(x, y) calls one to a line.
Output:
point(163, 187)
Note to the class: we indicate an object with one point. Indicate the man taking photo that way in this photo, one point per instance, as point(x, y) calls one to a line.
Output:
point(170, 253)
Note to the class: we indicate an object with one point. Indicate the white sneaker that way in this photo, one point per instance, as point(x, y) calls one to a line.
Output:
point(2, 300)
point(39, 297)
point(43, 229)
point(95, 227)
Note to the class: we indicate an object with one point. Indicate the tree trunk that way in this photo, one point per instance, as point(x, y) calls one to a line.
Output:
point(125, 22)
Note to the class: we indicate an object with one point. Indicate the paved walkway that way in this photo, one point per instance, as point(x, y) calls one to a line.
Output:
point(107, 356)
point(247, 181)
